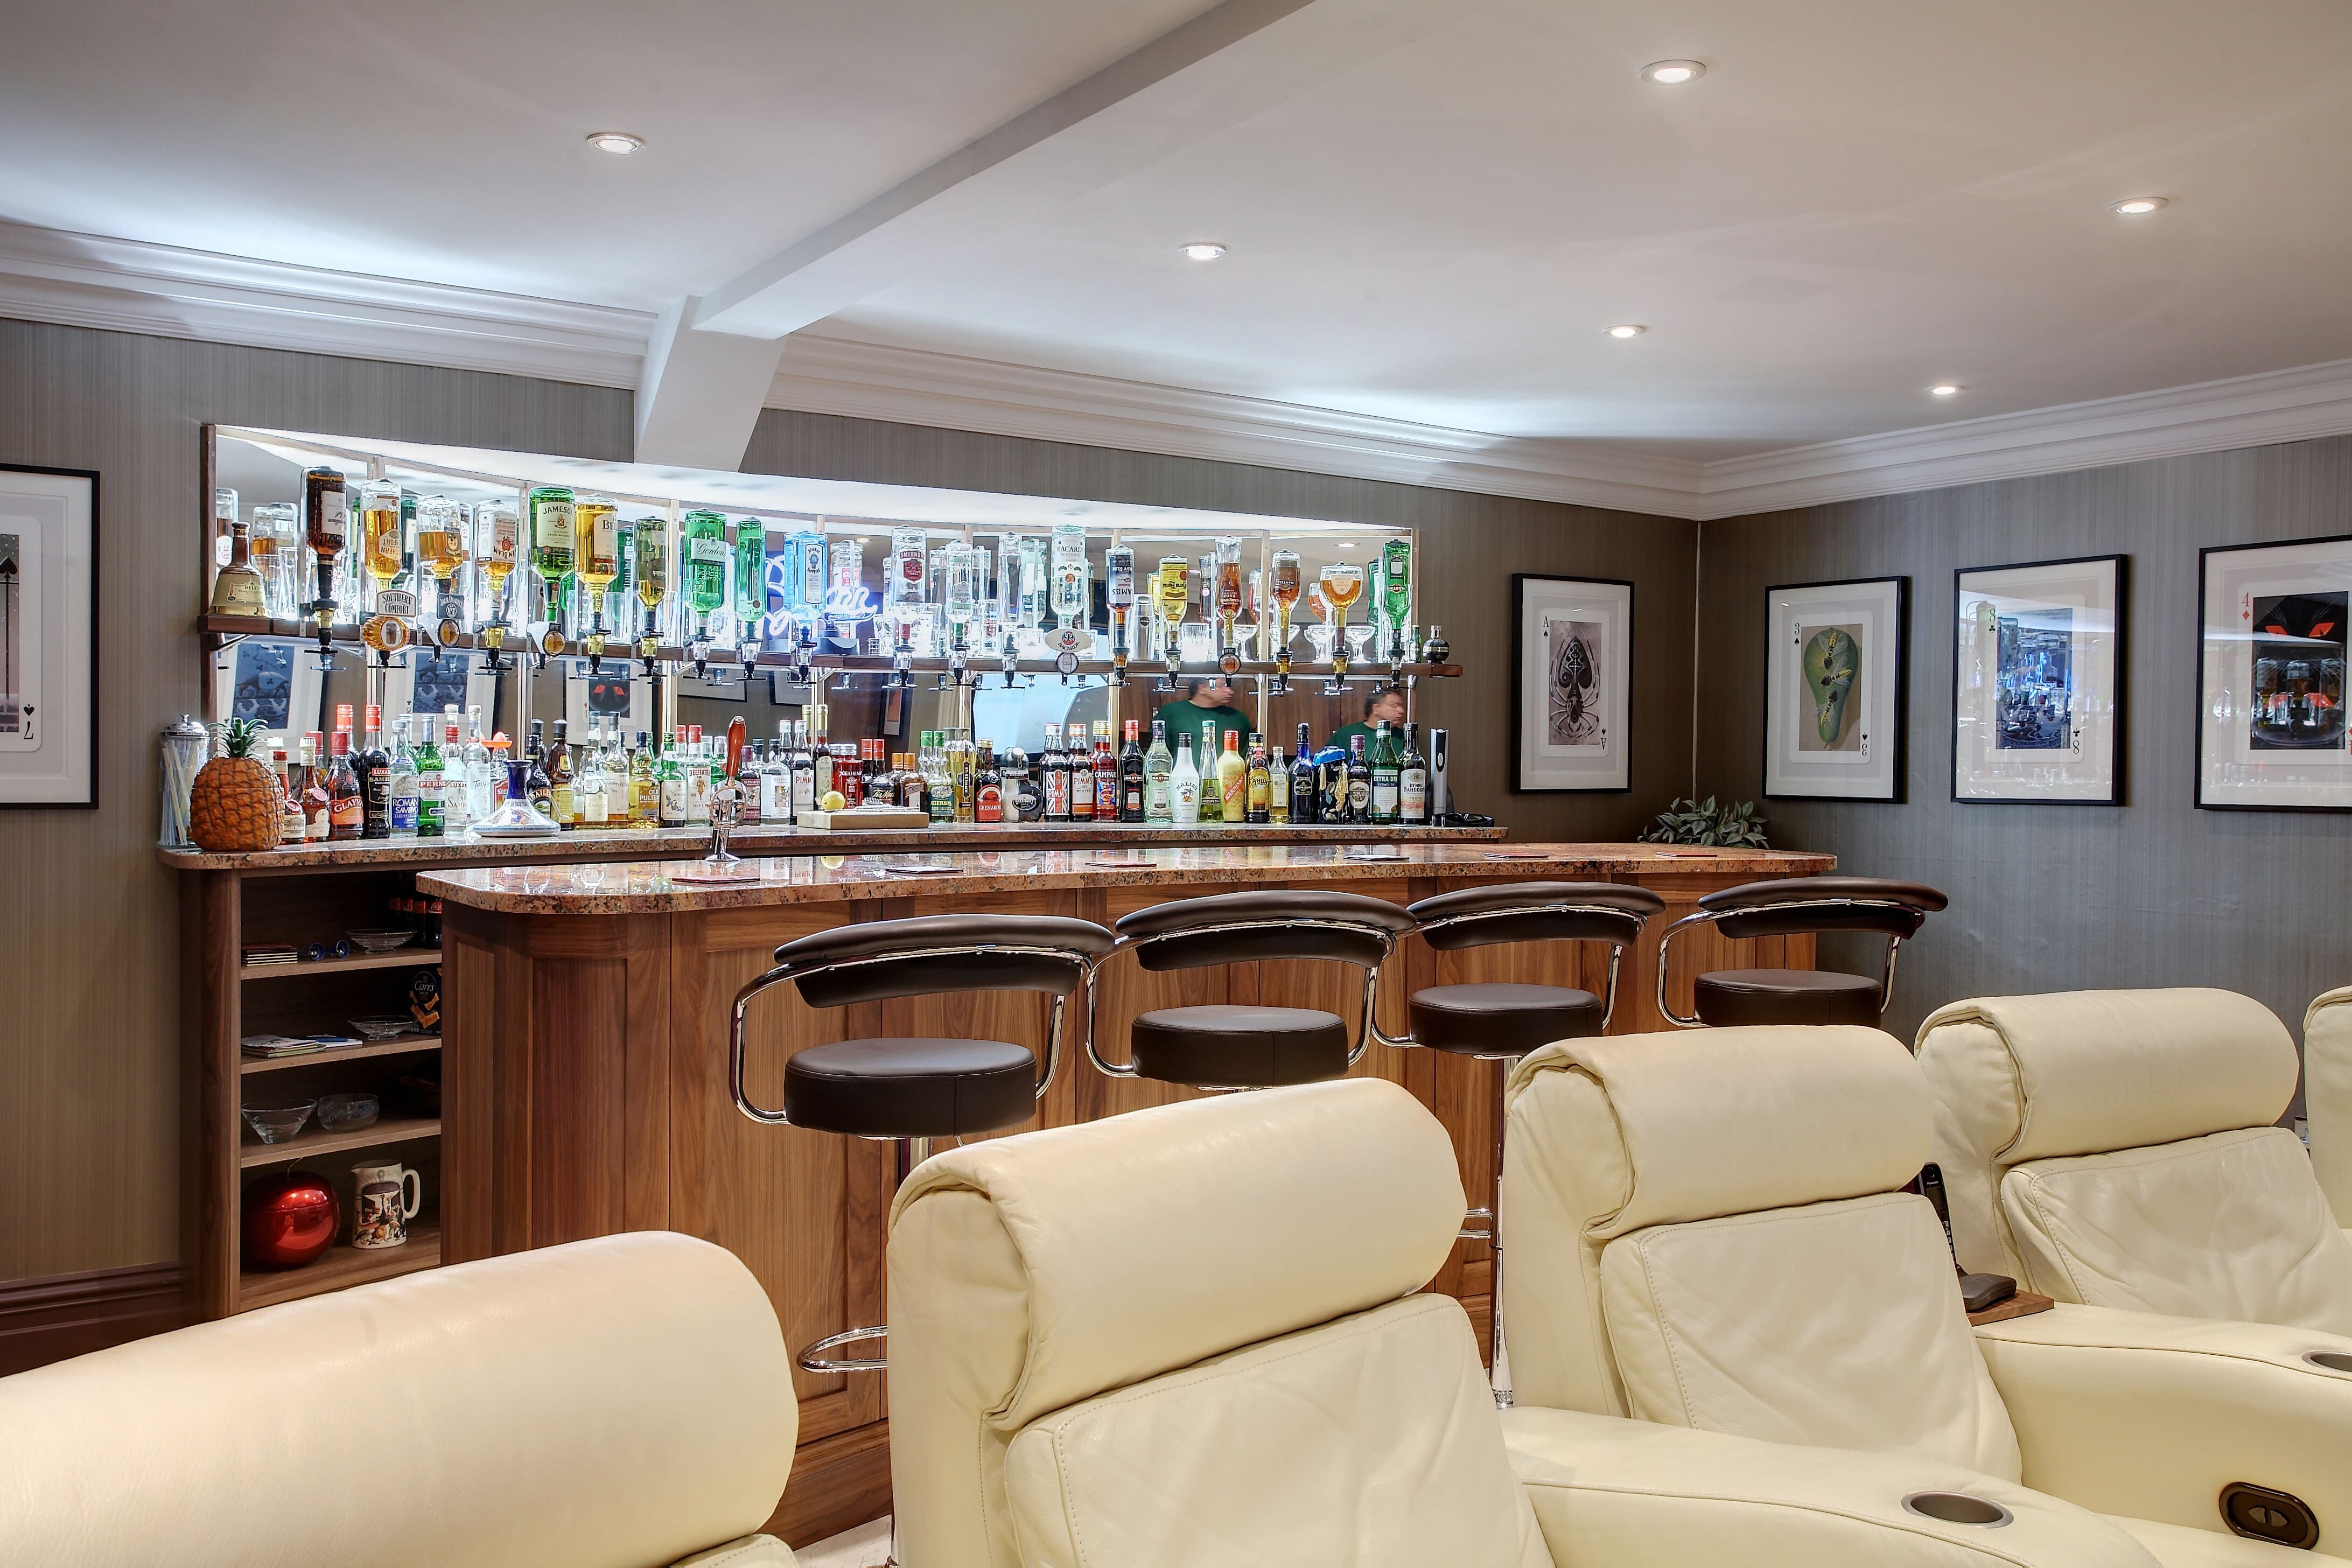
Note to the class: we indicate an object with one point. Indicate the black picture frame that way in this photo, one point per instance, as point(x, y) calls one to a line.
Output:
point(2198, 672)
point(1519, 581)
point(1899, 773)
point(2115, 796)
point(89, 800)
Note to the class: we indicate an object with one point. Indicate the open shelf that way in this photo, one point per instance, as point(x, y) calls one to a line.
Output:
point(401, 958)
point(393, 1129)
point(392, 1048)
point(339, 1266)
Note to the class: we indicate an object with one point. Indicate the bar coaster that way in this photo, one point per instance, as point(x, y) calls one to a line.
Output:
point(2024, 1304)
point(1520, 855)
point(1355, 853)
point(920, 871)
point(695, 871)
point(1686, 854)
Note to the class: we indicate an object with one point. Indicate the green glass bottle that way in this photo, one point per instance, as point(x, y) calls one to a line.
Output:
point(1396, 587)
point(1388, 768)
point(751, 576)
point(704, 534)
point(554, 543)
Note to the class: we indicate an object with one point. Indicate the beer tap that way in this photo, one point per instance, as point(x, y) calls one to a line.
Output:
point(726, 799)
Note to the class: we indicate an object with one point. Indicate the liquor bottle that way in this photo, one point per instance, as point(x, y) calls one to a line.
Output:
point(380, 540)
point(750, 766)
point(481, 779)
point(751, 581)
point(1213, 795)
point(1277, 790)
point(1386, 765)
point(1119, 596)
point(325, 522)
point(669, 782)
point(588, 783)
point(432, 787)
point(346, 798)
point(988, 787)
point(938, 790)
point(1331, 784)
point(562, 780)
point(239, 589)
point(1080, 757)
point(644, 794)
point(1306, 789)
point(617, 797)
point(554, 540)
point(497, 534)
point(1228, 560)
point(1184, 786)
point(538, 783)
point(846, 781)
point(374, 771)
point(1258, 798)
point(963, 775)
point(1359, 782)
point(776, 779)
point(318, 804)
point(1413, 780)
point(703, 566)
point(1396, 592)
point(1158, 805)
point(596, 529)
point(914, 783)
point(448, 737)
point(1105, 763)
point(698, 778)
point(402, 795)
point(820, 755)
point(1233, 780)
point(292, 825)
point(1055, 767)
point(1131, 774)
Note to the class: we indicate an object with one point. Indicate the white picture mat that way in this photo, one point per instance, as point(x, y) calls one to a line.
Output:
point(1604, 761)
point(46, 629)
point(2086, 593)
point(2229, 770)
point(1792, 616)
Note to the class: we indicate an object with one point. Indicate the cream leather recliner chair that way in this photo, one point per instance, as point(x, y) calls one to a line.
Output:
point(2327, 1096)
point(620, 1402)
point(1708, 1231)
point(2117, 1148)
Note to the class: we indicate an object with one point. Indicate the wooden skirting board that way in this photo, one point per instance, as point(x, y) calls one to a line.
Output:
point(63, 1315)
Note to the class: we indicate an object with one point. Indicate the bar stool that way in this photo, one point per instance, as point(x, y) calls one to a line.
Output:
point(1230, 1045)
point(1800, 905)
point(1500, 1022)
point(909, 1091)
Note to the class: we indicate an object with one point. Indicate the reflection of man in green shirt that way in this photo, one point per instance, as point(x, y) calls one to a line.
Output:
point(1385, 703)
point(1212, 701)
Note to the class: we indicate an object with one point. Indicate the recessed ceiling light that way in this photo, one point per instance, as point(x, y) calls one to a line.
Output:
point(1671, 73)
point(2139, 204)
point(1203, 250)
point(620, 144)
point(1627, 330)
point(1944, 389)
point(1347, 544)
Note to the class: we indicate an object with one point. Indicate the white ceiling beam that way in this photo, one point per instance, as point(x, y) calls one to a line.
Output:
point(1127, 116)
point(698, 393)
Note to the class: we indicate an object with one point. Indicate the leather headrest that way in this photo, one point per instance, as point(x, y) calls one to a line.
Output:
point(1148, 1241)
point(1695, 1124)
point(2086, 1072)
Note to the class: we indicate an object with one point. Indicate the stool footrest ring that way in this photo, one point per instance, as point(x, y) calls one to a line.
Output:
point(814, 1359)
point(1468, 1233)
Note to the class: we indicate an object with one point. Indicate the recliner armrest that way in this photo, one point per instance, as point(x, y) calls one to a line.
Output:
point(2138, 1414)
point(744, 1551)
point(1609, 1491)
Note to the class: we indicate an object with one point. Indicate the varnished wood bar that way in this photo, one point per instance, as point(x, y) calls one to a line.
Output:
point(587, 1082)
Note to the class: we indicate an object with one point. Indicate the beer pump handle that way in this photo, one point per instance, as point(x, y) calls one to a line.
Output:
point(735, 746)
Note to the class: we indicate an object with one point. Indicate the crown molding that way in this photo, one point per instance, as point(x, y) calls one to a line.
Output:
point(824, 375)
point(129, 285)
point(134, 286)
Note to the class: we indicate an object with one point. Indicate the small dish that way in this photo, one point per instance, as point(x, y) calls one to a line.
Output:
point(387, 1026)
point(347, 1112)
point(277, 1123)
point(380, 940)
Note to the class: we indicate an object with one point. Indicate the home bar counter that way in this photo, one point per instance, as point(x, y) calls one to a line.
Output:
point(586, 1051)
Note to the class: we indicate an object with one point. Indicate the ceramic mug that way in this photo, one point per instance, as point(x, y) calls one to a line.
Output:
point(388, 1197)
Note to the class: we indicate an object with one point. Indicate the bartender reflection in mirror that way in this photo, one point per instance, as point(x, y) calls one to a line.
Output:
point(1212, 701)
point(1385, 703)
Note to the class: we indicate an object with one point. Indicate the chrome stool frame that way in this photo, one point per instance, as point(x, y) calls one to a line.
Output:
point(911, 1151)
point(1567, 909)
point(1830, 911)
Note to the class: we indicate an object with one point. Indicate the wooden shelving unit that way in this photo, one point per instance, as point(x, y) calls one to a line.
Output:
point(344, 1265)
point(404, 1045)
point(399, 958)
point(383, 1133)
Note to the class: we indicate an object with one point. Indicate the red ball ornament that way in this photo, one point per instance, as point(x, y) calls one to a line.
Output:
point(289, 1219)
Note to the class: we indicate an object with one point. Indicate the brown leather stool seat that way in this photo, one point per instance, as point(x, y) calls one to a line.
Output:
point(1232, 1046)
point(1733, 996)
point(1497, 1019)
point(910, 1088)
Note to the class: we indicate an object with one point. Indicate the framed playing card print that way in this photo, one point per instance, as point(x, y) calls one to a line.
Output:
point(2037, 682)
point(49, 637)
point(1571, 683)
point(2270, 733)
point(1836, 667)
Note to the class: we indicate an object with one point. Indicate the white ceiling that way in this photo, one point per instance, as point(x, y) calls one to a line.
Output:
point(1860, 197)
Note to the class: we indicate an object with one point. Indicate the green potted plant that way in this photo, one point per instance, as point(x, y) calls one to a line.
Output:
point(1726, 827)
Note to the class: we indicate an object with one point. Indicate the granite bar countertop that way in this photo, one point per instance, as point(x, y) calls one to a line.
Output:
point(662, 887)
point(689, 843)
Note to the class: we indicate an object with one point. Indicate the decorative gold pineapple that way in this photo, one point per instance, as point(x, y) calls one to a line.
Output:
point(237, 801)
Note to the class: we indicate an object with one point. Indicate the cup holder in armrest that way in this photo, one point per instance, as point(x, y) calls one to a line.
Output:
point(2333, 1361)
point(1957, 1508)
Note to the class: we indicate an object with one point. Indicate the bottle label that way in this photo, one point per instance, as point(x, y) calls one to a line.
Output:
point(1412, 794)
point(1082, 790)
point(989, 805)
point(775, 796)
point(331, 515)
point(1384, 799)
point(673, 801)
point(1057, 791)
point(503, 527)
point(1185, 794)
point(1155, 798)
point(593, 808)
point(707, 549)
point(1131, 806)
point(1359, 794)
point(1234, 794)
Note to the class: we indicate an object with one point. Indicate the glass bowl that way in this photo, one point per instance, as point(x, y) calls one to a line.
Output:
point(275, 1124)
point(380, 940)
point(388, 1025)
point(347, 1112)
